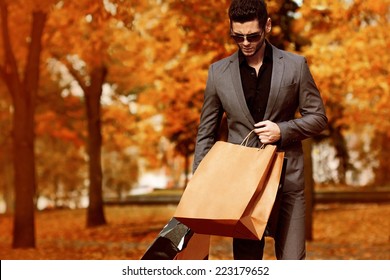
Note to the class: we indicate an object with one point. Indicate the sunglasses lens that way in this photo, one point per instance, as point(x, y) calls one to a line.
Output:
point(238, 39)
point(254, 38)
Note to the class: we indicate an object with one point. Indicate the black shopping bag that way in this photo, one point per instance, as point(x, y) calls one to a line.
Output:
point(177, 241)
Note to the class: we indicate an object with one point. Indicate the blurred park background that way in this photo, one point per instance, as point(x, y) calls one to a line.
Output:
point(99, 107)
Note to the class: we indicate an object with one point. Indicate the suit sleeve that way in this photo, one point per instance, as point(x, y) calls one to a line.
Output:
point(210, 119)
point(311, 108)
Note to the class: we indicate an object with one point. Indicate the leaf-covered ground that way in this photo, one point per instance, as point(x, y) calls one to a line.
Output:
point(350, 231)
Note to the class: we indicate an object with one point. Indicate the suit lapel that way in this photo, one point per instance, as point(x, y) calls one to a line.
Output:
point(236, 79)
point(277, 75)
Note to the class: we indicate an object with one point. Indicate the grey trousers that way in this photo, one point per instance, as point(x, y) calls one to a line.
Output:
point(289, 234)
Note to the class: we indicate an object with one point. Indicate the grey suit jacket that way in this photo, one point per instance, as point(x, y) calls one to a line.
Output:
point(292, 89)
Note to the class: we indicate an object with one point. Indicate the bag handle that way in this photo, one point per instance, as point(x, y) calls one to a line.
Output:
point(246, 139)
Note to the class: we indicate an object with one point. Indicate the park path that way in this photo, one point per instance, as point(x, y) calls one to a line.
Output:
point(340, 232)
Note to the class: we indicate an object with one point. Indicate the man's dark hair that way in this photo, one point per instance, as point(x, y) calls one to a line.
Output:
point(248, 10)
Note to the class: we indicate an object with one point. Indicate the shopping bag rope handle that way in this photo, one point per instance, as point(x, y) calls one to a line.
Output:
point(246, 139)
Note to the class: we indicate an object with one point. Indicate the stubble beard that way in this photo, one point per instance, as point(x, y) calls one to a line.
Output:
point(259, 46)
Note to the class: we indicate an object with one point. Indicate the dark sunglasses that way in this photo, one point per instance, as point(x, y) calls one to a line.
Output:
point(251, 38)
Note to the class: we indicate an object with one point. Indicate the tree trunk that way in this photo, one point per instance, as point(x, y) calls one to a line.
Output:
point(309, 188)
point(341, 151)
point(381, 144)
point(24, 157)
point(24, 170)
point(95, 215)
point(23, 92)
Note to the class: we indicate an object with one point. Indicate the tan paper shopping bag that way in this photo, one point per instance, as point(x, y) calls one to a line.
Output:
point(259, 208)
point(229, 177)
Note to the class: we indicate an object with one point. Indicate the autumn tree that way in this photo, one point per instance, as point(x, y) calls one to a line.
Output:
point(92, 26)
point(22, 26)
point(77, 31)
point(349, 59)
point(103, 43)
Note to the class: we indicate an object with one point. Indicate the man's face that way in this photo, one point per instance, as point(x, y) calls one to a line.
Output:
point(248, 36)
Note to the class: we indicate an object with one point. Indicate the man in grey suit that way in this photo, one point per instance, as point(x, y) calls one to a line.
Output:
point(261, 88)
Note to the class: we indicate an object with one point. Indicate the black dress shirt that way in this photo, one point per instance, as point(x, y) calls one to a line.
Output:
point(256, 87)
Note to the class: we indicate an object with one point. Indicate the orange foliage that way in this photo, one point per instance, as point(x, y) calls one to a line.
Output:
point(119, 127)
point(61, 118)
point(350, 58)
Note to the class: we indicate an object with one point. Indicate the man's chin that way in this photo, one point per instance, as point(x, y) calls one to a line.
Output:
point(248, 53)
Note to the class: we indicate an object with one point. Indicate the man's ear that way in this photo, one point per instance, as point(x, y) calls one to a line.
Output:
point(268, 25)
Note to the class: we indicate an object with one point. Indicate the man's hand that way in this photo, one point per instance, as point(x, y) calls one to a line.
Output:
point(267, 131)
